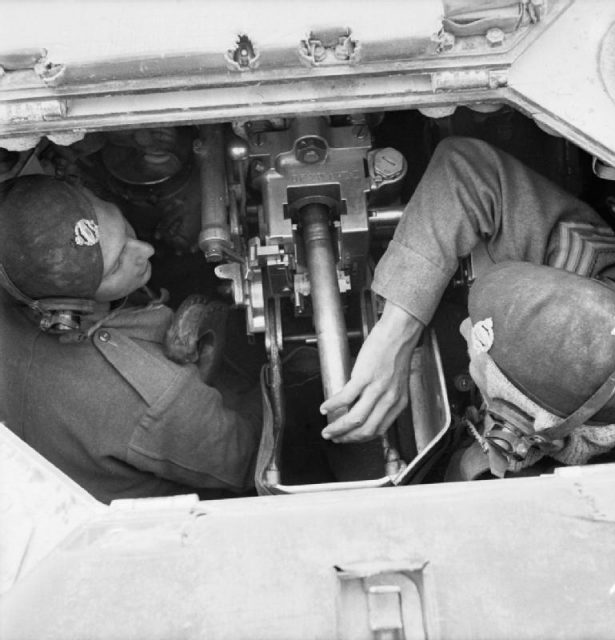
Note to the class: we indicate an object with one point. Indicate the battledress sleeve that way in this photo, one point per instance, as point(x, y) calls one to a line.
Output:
point(472, 193)
point(185, 433)
point(191, 437)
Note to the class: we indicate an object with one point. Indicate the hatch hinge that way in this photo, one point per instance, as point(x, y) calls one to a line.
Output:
point(33, 111)
point(32, 60)
point(464, 79)
point(244, 57)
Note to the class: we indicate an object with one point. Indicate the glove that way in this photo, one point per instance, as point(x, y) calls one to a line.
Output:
point(197, 334)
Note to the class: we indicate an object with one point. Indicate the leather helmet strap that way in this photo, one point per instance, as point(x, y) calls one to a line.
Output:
point(46, 307)
point(584, 413)
point(11, 288)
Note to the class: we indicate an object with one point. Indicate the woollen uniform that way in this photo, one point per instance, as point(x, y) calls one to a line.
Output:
point(476, 198)
point(116, 415)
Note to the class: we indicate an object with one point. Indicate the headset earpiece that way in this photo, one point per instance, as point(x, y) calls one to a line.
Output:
point(59, 315)
point(56, 315)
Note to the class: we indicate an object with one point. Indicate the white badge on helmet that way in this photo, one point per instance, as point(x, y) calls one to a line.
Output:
point(86, 233)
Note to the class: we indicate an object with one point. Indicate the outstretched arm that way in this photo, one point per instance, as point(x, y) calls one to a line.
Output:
point(379, 379)
point(470, 193)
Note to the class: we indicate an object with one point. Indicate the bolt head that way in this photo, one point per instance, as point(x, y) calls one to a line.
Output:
point(310, 150)
point(444, 40)
point(495, 36)
point(311, 156)
point(360, 131)
point(388, 163)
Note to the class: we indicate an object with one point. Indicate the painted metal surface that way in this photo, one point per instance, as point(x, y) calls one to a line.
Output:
point(565, 79)
point(524, 558)
point(558, 70)
point(191, 26)
point(399, 61)
point(39, 506)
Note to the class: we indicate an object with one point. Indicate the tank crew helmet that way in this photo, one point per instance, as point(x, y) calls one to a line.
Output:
point(542, 351)
point(50, 255)
point(552, 334)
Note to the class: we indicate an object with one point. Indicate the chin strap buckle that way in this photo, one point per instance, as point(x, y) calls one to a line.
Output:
point(60, 315)
point(508, 436)
point(57, 315)
point(59, 321)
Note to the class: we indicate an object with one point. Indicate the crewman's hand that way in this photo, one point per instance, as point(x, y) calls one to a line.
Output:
point(379, 380)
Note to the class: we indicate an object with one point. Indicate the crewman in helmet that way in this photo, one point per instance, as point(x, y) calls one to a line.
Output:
point(99, 398)
point(547, 318)
point(541, 342)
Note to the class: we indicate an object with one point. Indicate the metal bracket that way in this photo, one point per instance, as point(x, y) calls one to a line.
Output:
point(36, 59)
point(602, 170)
point(244, 57)
point(465, 274)
point(28, 112)
point(233, 271)
point(390, 599)
point(333, 46)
